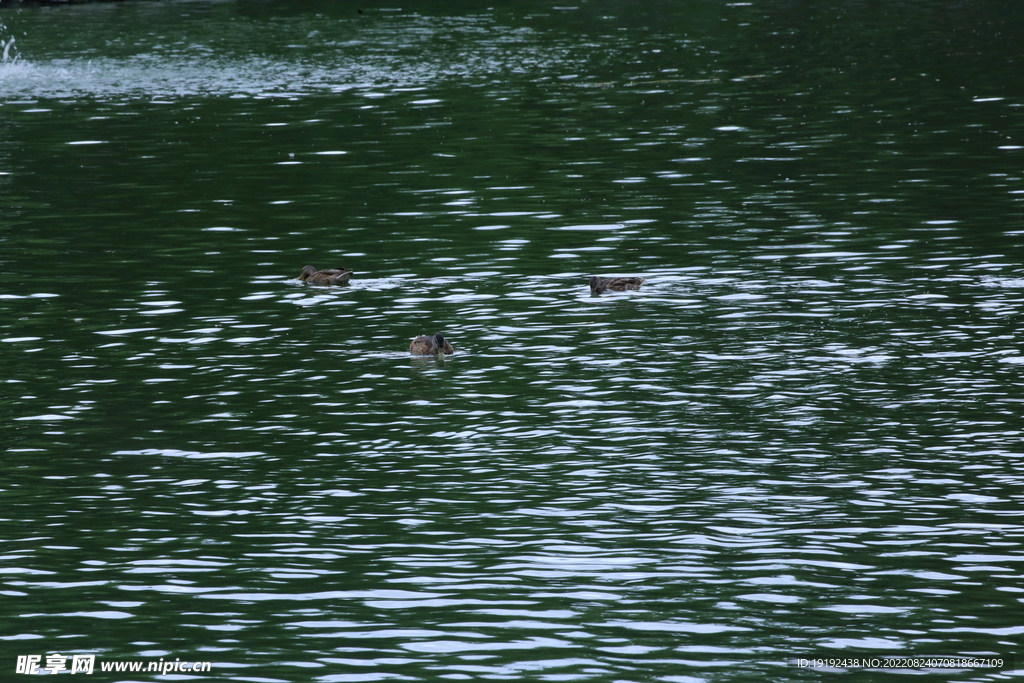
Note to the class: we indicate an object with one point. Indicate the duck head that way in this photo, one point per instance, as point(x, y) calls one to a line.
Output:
point(437, 344)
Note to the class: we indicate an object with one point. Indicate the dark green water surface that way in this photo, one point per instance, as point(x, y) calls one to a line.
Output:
point(801, 438)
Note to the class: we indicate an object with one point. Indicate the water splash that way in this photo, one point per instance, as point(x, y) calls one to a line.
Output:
point(7, 45)
point(373, 58)
point(6, 56)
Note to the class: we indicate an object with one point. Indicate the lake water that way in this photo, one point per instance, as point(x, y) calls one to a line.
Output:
point(802, 438)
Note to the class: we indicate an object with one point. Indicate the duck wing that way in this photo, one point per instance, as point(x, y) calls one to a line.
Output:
point(621, 284)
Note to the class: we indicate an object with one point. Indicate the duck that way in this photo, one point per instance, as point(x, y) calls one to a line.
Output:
point(619, 284)
point(425, 345)
point(331, 276)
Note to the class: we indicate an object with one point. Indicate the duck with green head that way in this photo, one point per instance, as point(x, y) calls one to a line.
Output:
point(436, 345)
point(331, 276)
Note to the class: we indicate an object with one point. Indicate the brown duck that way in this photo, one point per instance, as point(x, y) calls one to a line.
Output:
point(331, 276)
point(619, 284)
point(431, 346)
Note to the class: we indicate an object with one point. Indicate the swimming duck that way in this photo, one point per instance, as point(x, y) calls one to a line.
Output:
point(431, 346)
point(619, 284)
point(331, 276)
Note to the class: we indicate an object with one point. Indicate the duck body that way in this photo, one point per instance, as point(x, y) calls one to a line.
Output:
point(618, 284)
point(426, 345)
point(330, 276)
